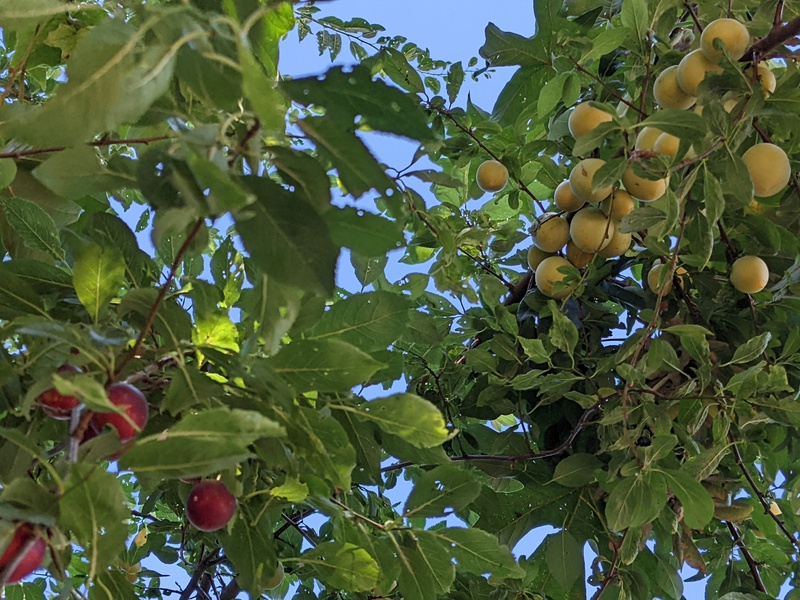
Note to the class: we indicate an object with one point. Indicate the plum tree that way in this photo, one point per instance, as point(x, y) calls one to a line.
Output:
point(210, 506)
point(128, 423)
point(584, 118)
point(591, 230)
point(24, 550)
point(56, 405)
point(551, 232)
point(692, 70)
point(768, 167)
point(552, 277)
point(667, 92)
point(749, 274)
point(393, 389)
point(581, 181)
point(724, 36)
point(564, 198)
point(491, 176)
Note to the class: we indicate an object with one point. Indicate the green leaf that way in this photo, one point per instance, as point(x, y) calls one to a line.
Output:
point(397, 68)
point(503, 49)
point(681, 123)
point(305, 173)
point(409, 417)
point(642, 218)
point(636, 17)
point(112, 584)
point(190, 388)
point(226, 195)
point(291, 490)
point(325, 365)
point(8, 171)
point(357, 167)
point(564, 558)
point(576, 470)
point(36, 228)
point(98, 275)
point(16, 296)
point(751, 349)
point(369, 321)
point(563, 334)
point(440, 491)
point(343, 566)
point(713, 199)
point(78, 172)
point(87, 390)
point(94, 509)
point(426, 569)
point(17, 13)
point(270, 309)
point(550, 95)
point(368, 234)
point(172, 323)
point(478, 552)
point(269, 104)
point(632, 502)
point(535, 350)
point(698, 507)
point(250, 546)
point(113, 79)
point(356, 94)
point(287, 238)
point(200, 443)
point(607, 41)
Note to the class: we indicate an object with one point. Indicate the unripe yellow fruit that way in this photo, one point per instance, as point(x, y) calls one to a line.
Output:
point(775, 509)
point(693, 69)
point(619, 244)
point(591, 229)
point(643, 189)
point(768, 167)
point(618, 204)
point(551, 232)
point(765, 77)
point(668, 93)
point(492, 176)
point(536, 256)
point(734, 37)
point(565, 199)
point(749, 274)
point(584, 118)
point(667, 144)
point(580, 180)
point(579, 258)
point(655, 273)
point(548, 275)
point(646, 138)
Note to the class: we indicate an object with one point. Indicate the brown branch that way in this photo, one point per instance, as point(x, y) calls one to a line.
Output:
point(693, 13)
point(564, 446)
point(292, 523)
point(482, 146)
point(103, 142)
point(159, 299)
point(751, 562)
point(205, 563)
point(608, 88)
point(777, 35)
point(488, 269)
point(754, 487)
point(520, 289)
point(249, 135)
point(612, 571)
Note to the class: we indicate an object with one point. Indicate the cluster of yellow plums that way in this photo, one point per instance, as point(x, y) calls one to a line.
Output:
point(588, 224)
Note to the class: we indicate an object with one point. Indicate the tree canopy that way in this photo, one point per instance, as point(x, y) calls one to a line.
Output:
point(181, 379)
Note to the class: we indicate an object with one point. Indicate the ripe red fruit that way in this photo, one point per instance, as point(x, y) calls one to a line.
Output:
point(57, 405)
point(133, 401)
point(210, 506)
point(25, 539)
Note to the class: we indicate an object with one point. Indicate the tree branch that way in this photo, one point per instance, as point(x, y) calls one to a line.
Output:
point(751, 562)
point(103, 142)
point(754, 487)
point(777, 35)
point(612, 571)
point(482, 146)
point(159, 299)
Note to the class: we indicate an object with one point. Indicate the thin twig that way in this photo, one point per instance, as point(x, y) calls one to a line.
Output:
point(482, 146)
point(693, 13)
point(751, 562)
point(779, 522)
point(299, 529)
point(103, 142)
point(608, 88)
point(159, 299)
point(612, 571)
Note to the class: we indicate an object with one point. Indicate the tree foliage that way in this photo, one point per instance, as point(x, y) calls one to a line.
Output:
point(653, 431)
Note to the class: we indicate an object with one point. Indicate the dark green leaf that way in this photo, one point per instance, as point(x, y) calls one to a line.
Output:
point(36, 228)
point(78, 172)
point(564, 558)
point(698, 507)
point(442, 490)
point(251, 549)
point(576, 470)
point(368, 234)
point(343, 566)
point(478, 552)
